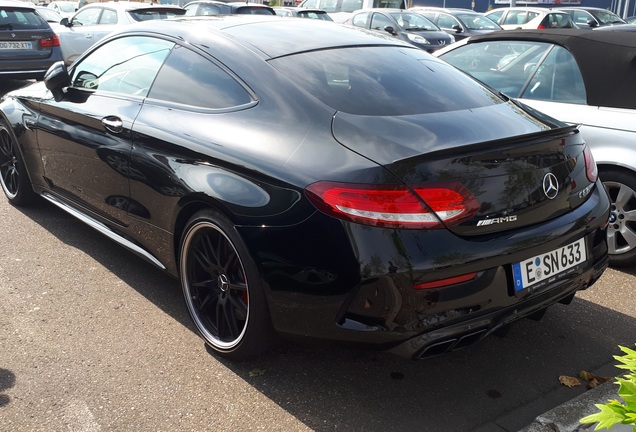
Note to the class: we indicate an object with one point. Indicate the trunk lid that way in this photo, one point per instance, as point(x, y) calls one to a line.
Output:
point(521, 169)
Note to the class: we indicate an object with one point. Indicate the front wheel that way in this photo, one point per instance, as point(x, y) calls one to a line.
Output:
point(13, 176)
point(621, 232)
point(222, 288)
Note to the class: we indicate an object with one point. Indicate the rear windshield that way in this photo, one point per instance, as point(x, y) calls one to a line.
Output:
point(251, 10)
point(155, 13)
point(12, 18)
point(384, 81)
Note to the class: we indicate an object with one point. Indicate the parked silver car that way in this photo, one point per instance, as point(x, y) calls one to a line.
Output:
point(96, 20)
point(581, 77)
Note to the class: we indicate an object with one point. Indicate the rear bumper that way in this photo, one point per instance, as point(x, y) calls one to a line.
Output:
point(469, 332)
point(353, 284)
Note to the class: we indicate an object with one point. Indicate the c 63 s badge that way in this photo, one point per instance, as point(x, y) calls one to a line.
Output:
point(485, 222)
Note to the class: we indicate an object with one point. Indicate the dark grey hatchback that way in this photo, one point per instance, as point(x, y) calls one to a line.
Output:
point(28, 45)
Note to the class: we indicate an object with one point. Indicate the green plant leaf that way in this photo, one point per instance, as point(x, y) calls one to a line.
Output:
point(627, 391)
point(606, 418)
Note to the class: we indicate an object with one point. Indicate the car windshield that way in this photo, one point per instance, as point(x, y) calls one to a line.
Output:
point(477, 22)
point(67, 7)
point(50, 15)
point(155, 13)
point(383, 81)
point(607, 17)
point(16, 18)
point(504, 65)
point(413, 21)
point(314, 15)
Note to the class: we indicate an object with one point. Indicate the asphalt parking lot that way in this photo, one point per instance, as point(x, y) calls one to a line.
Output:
point(94, 339)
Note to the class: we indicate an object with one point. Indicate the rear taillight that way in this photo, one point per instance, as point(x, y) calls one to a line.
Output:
point(541, 27)
point(50, 42)
point(445, 282)
point(424, 206)
point(590, 165)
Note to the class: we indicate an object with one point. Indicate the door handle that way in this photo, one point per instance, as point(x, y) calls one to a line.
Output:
point(113, 124)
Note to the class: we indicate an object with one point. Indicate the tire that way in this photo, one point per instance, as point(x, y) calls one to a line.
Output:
point(621, 232)
point(222, 288)
point(13, 175)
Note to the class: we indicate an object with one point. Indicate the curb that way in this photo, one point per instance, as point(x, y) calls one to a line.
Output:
point(565, 417)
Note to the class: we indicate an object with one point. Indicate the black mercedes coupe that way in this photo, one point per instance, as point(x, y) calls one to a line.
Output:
point(311, 180)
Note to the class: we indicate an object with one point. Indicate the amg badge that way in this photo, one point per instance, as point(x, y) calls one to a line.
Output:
point(498, 220)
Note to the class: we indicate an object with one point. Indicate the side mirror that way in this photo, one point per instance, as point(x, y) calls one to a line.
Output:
point(65, 22)
point(389, 29)
point(457, 28)
point(592, 23)
point(56, 79)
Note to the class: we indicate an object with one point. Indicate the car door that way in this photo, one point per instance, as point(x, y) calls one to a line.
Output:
point(87, 26)
point(85, 140)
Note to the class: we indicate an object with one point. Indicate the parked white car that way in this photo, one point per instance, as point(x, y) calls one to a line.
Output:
point(96, 20)
point(64, 8)
point(581, 77)
point(514, 18)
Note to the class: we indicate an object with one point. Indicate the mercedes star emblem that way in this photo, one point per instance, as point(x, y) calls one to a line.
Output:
point(550, 186)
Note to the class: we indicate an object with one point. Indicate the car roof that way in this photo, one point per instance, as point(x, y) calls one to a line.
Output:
point(606, 59)
point(130, 5)
point(258, 33)
point(16, 3)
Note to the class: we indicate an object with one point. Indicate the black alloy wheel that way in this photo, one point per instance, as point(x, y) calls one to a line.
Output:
point(222, 289)
point(621, 232)
point(13, 177)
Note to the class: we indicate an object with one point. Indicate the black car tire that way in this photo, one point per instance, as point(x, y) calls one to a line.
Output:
point(621, 232)
point(13, 176)
point(223, 289)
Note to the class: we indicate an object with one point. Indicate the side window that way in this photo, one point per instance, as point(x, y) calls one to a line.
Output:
point(329, 5)
point(87, 17)
point(495, 16)
point(191, 10)
point(515, 17)
point(557, 79)
point(126, 65)
point(309, 4)
point(379, 21)
point(108, 17)
point(208, 9)
point(189, 78)
point(360, 20)
point(446, 22)
point(581, 17)
point(429, 15)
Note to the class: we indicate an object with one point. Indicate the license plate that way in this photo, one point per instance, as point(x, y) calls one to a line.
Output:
point(548, 265)
point(16, 45)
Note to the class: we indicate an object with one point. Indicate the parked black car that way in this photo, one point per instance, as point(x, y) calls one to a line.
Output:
point(405, 25)
point(459, 23)
point(28, 45)
point(585, 17)
point(365, 192)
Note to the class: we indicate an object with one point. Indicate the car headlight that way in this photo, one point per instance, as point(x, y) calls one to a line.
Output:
point(418, 39)
point(452, 39)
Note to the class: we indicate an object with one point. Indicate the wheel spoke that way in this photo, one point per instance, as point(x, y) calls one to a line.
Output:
point(630, 216)
point(241, 307)
point(625, 194)
point(629, 235)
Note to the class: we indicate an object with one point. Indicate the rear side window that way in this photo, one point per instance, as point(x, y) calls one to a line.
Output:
point(191, 79)
point(384, 81)
point(18, 18)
